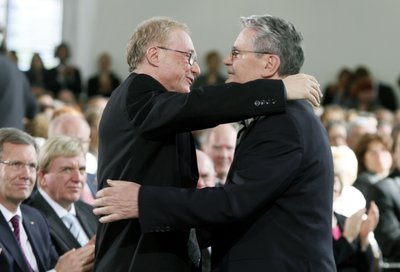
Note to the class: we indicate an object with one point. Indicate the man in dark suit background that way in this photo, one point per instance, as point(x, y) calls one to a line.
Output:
point(274, 212)
point(144, 135)
point(25, 240)
point(61, 178)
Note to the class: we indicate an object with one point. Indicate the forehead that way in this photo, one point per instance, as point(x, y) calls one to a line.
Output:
point(245, 38)
point(181, 40)
point(18, 152)
point(78, 160)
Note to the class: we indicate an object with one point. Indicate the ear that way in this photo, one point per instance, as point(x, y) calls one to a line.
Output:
point(152, 56)
point(41, 176)
point(272, 65)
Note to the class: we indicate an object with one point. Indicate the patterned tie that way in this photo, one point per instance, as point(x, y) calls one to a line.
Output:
point(15, 223)
point(73, 227)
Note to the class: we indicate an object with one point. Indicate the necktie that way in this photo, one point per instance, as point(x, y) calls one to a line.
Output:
point(73, 227)
point(15, 224)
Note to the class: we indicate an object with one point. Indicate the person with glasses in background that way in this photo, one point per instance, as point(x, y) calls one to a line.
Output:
point(144, 135)
point(25, 243)
point(274, 212)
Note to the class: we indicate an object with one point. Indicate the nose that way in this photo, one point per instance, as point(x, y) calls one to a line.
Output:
point(77, 176)
point(195, 69)
point(228, 60)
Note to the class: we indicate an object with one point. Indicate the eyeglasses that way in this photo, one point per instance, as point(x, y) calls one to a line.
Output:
point(192, 58)
point(18, 165)
point(236, 52)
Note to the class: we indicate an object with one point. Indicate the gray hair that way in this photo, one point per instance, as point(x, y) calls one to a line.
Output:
point(154, 30)
point(58, 146)
point(15, 136)
point(279, 37)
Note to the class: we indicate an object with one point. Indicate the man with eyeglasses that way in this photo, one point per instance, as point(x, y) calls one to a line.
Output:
point(25, 243)
point(145, 135)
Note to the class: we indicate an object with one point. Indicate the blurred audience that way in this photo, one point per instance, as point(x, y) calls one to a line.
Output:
point(213, 75)
point(37, 74)
point(338, 93)
point(206, 169)
point(220, 146)
point(104, 81)
point(64, 76)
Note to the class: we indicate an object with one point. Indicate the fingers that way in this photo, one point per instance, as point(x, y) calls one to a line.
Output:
point(110, 218)
point(102, 210)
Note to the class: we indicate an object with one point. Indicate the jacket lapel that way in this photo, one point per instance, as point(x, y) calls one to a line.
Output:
point(56, 225)
point(8, 240)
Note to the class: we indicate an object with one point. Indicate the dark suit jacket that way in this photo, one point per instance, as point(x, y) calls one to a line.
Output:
point(276, 204)
point(62, 238)
point(143, 138)
point(386, 194)
point(35, 225)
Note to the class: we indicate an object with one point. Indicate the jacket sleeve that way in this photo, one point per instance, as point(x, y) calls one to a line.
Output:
point(255, 184)
point(159, 113)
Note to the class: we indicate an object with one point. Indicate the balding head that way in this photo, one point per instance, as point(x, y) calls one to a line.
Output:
point(73, 126)
point(205, 166)
point(220, 146)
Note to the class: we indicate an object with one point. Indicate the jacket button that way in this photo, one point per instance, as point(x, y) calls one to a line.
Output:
point(257, 103)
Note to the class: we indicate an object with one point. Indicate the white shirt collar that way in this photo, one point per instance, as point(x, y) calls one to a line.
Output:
point(8, 214)
point(60, 211)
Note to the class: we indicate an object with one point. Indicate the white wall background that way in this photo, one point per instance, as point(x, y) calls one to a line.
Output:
point(336, 33)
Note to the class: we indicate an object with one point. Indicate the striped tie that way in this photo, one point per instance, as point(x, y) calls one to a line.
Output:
point(73, 227)
point(15, 223)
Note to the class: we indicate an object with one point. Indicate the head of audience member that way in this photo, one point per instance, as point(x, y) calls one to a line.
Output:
point(206, 169)
point(97, 101)
point(385, 120)
point(374, 156)
point(66, 110)
point(74, 126)
point(333, 113)
point(345, 166)
point(104, 62)
point(67, 97)
point(213, 61)
point(45, 102)
point(220, 146)
point(62, 173)
point(36, 63)
point(93, 116)
point(18, 163)
point(159, 44)
point(361, 124)
point(267, 47)
point(62, 52)
point(337, 133)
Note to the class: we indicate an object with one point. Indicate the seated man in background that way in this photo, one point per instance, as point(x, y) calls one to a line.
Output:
point(77, 127)
point(220, 146)
point(205, 166)
point(25, 240)
point(61, 178)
